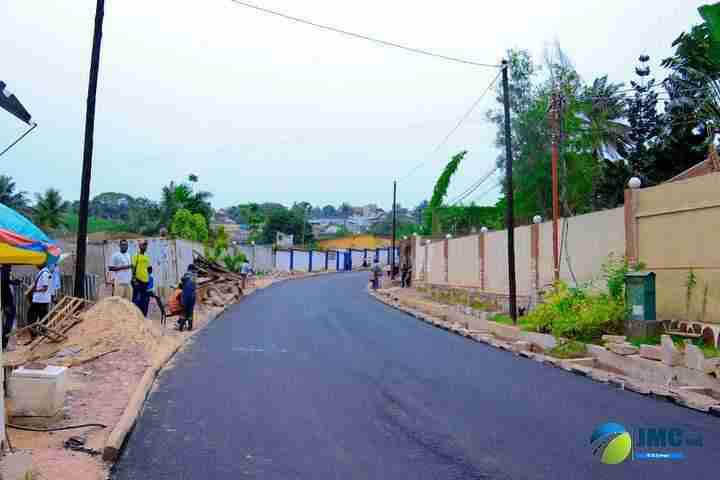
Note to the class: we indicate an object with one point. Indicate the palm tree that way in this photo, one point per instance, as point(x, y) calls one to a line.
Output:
point(50, 209)
point(176, 196)
point(603, 115)
point(9, 197)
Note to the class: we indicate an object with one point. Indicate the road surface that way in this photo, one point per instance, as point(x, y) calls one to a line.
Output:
point(313, 379)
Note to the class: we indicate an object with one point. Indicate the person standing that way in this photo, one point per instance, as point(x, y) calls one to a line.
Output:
point(153, 294)
point(8, 304)
point(188, 284)
point(140, 277)
point(40, 294)
point(121, 269)
point(244, 273)
point(376, 273)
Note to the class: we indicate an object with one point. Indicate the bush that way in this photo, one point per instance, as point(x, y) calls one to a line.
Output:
point(576, 314)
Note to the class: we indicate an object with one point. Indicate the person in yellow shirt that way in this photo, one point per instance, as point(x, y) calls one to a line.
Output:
point(140, 263)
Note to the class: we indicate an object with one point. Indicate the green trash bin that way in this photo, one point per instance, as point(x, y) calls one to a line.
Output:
point(640, 296)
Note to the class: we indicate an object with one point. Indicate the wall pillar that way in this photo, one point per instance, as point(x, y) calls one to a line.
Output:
point(425, 263)
point(481, 260)
point(337, 260)
point(310, 255)
point(535, 262)
point(446, 262)
point(292, 259)
point(631, 227)
point(326, 259)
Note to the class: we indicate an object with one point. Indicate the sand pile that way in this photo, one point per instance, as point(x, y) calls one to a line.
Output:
point(111, 324)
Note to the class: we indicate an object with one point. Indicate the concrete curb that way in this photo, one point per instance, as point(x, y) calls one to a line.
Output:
point(586, 367)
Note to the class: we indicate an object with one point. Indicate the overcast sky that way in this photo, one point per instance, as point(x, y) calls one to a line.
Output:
point(262, 109)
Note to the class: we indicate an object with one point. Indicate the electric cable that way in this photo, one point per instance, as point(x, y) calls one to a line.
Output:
point(365, 37)
point(452, 131)
point(32, 127)
point(56, 429)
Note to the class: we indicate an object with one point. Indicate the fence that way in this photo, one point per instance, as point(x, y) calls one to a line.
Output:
point(67, 285)
point(672, 228)
point(316, 260)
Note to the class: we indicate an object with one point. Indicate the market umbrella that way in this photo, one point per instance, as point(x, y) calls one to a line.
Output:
point(22, 243)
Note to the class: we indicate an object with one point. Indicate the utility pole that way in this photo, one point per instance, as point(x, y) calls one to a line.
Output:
point(510, 215)
point(554, 123)
point(394, 228)
point(81, 249)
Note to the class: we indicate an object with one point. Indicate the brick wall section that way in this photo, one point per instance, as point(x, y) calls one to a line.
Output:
point(630, 228)
point(446, 263)
point(535, 257)
point(481, 260)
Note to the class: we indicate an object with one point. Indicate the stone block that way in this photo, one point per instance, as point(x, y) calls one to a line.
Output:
point(521, 346)
point(595, 350)
point(614, 338)
point(712, 365)
point(37, 393)
point(694, 357)
point(670, 354)
point(624, 349)
point(651, 352)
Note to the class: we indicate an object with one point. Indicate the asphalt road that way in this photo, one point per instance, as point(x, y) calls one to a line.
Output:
point(314, 379)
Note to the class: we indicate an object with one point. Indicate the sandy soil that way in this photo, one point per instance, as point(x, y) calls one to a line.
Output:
point(98, 390)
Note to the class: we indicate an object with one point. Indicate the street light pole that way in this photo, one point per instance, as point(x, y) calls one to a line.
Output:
point(555, 197)
point(81, 249)
point(394, 230)
point(510, 217)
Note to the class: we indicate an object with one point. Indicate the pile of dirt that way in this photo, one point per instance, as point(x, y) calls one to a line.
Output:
point(110, 325)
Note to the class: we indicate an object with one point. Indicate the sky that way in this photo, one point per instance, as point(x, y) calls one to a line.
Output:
point(263, 109)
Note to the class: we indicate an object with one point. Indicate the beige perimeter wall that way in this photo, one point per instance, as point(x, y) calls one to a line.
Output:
point(679, 231)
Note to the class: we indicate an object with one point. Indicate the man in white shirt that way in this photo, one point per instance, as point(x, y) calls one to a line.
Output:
point(41, 295)
point(120, 266)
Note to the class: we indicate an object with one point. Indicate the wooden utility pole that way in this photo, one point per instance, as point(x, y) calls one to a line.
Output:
point(510, 214)
point(394, 230)
point(81, 249)
point(555, 125)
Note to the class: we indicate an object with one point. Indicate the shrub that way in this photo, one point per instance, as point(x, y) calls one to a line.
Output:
point(576, 314)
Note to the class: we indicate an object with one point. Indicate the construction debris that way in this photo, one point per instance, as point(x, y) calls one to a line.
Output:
point(216, 285)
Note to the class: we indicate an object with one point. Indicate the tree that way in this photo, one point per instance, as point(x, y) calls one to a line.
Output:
point(190, 226)
point(50, 209)
point(329, 211)
point(9, 197)
point(181, 196)
point(111, 205)
point(440, 190)
point(345, 210)
point(645, 123)
point(289, 222)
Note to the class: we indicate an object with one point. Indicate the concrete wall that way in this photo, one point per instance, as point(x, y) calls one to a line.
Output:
point(436, 262)
point(464, 261)
point(496, 266)
point(678, 230)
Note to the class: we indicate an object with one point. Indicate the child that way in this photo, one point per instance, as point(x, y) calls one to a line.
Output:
point(188, 298)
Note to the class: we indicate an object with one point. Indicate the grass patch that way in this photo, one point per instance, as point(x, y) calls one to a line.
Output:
point(96, 224)
point(569, 349)
point(523, 322)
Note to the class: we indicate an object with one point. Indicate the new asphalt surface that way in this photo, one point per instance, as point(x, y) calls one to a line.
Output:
point(314, 379)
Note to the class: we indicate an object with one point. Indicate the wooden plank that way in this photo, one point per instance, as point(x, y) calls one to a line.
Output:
point(680, 333)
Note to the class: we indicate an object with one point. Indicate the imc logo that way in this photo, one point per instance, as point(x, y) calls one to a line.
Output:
point(611, 442)
point(614, 444)
point(667, 437)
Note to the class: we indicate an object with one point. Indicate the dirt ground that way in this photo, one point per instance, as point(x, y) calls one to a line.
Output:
point(98, 390)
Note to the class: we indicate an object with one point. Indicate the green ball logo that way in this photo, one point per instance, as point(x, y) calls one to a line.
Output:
point(611, 442)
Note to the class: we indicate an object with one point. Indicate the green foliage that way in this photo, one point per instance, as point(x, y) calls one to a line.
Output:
point(288, 222)
point(690, 284)
point(441, 188)
point(190, 226)
point(576, 314)
point(569, 349)
point(234, 262)
point(614, 269)
point(10, 197)
point(50, 210)
point(96, 225)
point(182, 197)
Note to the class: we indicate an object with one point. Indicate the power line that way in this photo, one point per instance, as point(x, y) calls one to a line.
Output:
point(462, 120)
point(365, 37)
point(474, 186)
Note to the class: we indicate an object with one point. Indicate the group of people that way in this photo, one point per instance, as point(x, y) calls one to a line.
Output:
point(405, 274)
point(132, 278)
